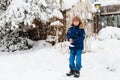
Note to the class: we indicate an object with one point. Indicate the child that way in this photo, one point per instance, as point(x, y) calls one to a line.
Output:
point(76, 36)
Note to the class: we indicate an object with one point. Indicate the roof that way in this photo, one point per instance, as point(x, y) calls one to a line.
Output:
point(108, 2)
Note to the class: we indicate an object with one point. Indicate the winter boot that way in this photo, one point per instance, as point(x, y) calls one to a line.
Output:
point(70, 73)
point(77, 74)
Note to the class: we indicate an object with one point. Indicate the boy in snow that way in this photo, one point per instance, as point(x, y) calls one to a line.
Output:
point(75, 35)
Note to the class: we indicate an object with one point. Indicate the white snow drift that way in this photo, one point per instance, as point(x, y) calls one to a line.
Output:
point(109, 33)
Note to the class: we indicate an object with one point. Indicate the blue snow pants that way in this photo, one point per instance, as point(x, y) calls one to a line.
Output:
point(75, 59)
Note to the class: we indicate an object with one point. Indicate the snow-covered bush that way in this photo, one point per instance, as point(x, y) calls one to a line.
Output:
point(27, 10)
point(11, 41)
point(109, 33)
point(56, 34)
point(15, 12)
point(4, 4)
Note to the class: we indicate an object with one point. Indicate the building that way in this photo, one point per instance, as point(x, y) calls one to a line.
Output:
point(109, 12)
point(110, 15)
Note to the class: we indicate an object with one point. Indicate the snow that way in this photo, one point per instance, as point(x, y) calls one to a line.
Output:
point(30, 42)
point(109, 32)
point(108, 2)
point(25, 11)
point(67, 4)
point(105, 3)
point(56, 13)
point(48, 62)
point(56, 23)
point(50, 38)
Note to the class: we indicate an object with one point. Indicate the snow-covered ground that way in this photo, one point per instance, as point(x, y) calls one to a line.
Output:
point(109, 32)
point(44, 62)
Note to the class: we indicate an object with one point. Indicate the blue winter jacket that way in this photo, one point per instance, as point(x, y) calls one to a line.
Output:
point(78, 36)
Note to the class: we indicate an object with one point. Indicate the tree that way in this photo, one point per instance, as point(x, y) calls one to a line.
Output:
point(4, 4)
point(13, 13)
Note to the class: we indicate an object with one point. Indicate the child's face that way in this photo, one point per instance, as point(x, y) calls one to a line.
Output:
point(76, 23)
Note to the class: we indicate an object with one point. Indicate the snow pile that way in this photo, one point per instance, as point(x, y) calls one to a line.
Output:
point(56, 23)
point(109, 33)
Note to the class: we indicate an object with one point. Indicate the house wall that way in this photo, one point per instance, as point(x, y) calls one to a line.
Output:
point(110, 15)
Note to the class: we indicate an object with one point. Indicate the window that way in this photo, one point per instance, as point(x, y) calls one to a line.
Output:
point(119, 21)
point(110, 20)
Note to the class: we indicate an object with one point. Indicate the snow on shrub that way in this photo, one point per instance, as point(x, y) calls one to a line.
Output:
point(67, 4)
point(11, 41)
point(56, 13)
point(4, 4)
point(56, 23)
point(13, 13)
point(109, 33)
point(27, 10)
point(23, 11)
